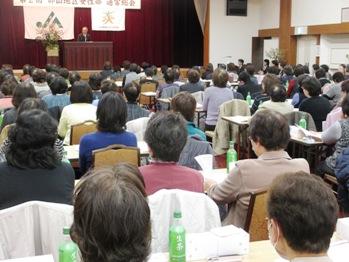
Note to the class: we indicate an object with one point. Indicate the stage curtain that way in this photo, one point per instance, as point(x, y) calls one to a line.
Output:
point(158, 33)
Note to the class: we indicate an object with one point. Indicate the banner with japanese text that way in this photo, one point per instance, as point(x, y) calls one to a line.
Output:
point(127, 4)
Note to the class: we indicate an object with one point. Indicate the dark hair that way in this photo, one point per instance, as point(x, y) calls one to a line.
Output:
point(306, 69)
point(81, 92)
point(250, 69)
point(95, 81)
point(185, 104)
point(108, 85)
point(8, 86)
point(307, 225)
point(39, 76)
point(32, 141)
point(278, 93)
point(316, 67)
point(321, 73)
point(273, 70)
point(282, 63)
point(131, 91)
point(64, 72)
point(107, 65)
point(26, 69)
point(312, 85)
point(145, 65)
point(112, 216)
point(325, 67)
point(241, 61)
point(345, 86)
point(270, 129)
point(126, 64)
point(50, 77)
point(50, 68)
point(117, 68)
point(149, 71)
point(232, 67)
point(58, 85)
point(220, 78)
point(288, 70)
point(209, 67)
point(169, 76)
point(21, 92)
point(133, 67)
point(268, 82)
point(74, 77)
point(298, 70)
point(193, 76)
point(111, 113)
point(267, 62)
point(245, 77)
point(275, 62)
point(338, 77)
point(176, 72)
point(163, 69)
point(32, 103)
point(345, 105)
point(166, 135)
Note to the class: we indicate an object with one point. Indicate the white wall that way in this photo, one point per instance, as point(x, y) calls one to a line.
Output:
point(269, 44)
point(231, 36)
point(317, 12)
point(333, 49)
point(270, 14)
point(307, 50)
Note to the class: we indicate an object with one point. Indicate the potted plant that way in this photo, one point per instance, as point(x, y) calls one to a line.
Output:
point(49, 37)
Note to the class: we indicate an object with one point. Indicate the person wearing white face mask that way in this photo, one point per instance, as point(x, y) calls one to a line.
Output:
point(302, 215)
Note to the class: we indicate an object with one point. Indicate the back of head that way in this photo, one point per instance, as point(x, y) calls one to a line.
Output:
point(126, 65)
point(108, 85)
point(269, 81)
point(131, 91)
point(39, 76)
point(345, 106)
point(50, 77)
point(288, 70)
point(278, 93)
point(133, 67)
point(149, 71)
point(250, 69)
point(58, 85)
point(273, 70)
point(231, 67)
point(111, 113)
point(220, 78)
point(325, 67)
point(306, 69)
point(81, 92)
point(64, 72)
point(193, 76)
point(169, 76)
point(298, 70)
point(26, 69)
point(305, 209)
point(107, 66)
point(244, 77)
point(166, 135)
point(338, 77)
point(316, 67)
point(267, 62)
point(74, 77)
point(345, 86)
point(312, 85)
point(95, 81)
point(270, 129)
point(8, 86)
point(32, 103)
point(32, 141)
point(185, 104)
point(164, 68)
point(112, 216)
point(321, 73)
point(21, 92)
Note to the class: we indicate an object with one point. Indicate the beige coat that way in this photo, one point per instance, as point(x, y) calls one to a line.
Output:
point(250, 175)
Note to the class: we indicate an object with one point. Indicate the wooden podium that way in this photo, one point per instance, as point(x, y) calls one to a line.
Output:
point(87, 55)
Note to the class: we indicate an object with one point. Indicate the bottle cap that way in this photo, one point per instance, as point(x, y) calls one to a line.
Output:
point(66, 230)
point(177, 214)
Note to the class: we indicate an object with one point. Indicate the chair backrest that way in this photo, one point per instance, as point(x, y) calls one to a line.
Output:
point(114, 154)
point(138, 127)
point(224, 131)
point(33, 228)
point(4, 133)
point(199, 214)
point(256, 223)
point(294, 117)
point(146, 87)
point(79, 130)
point(199, 96)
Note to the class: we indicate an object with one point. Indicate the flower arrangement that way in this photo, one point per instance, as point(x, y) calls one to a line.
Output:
point(49, 36)
point(275, 54)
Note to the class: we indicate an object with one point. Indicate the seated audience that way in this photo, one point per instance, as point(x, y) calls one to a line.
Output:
point(21, 92)
point(268, 82)
point(106, 86)
point(111, 121)
point(126, 68)
point(317, 106)
point(39, 82)
point(7, 88)
point(208, 73)
point(278, 101)
point(32, 165)
point(79, 111)
point(241, 66)
point(342, 68)
point(247, 86)
point(293, 83)
point(169, 83)
point(327, 69)
point(334, 91)
point(177, 75)
point(299, 96)
point(95, 81)
point(315, 68)
point(59, 97)
point(26, 74)
point(250, 69)
point(266, 64)
point(194, 84)
point(216, 95)
point(337, 134)
point(73, 77)
point(114, 224)
point(232, 72)
point(107, 70)
point(64, 72)
point(149, 77)
point(117, 73)
point(336, 114)
point(269, 135)
point(134, 111)
point(132, 75)
point(321, 76)
point(288, 76)
point(342, 175)
point(166, 137)
point(185, 104)
point(302, 216)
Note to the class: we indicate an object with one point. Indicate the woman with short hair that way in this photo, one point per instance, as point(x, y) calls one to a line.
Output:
point(111, 121)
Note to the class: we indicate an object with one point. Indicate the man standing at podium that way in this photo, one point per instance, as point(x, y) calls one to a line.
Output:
point(84, 36)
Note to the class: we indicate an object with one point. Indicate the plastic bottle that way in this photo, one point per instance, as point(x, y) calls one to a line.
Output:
point(303, 123)
point(248, 99)
point(68, 249)
point(232, 157)
point(177, 239)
